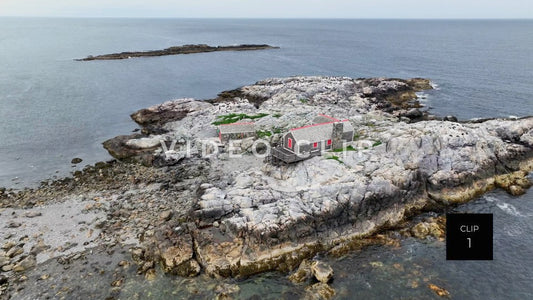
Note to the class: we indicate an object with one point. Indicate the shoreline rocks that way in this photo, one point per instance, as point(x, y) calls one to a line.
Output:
point(235, 217)
point(175, 50)
point(318, 205)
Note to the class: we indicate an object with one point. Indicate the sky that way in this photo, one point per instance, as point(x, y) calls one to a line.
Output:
point(419, 9)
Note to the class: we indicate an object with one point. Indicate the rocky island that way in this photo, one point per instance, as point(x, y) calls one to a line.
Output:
point(175, 50)
point(180, 199)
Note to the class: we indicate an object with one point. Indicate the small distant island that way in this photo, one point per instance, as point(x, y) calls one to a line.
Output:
point(175, 50)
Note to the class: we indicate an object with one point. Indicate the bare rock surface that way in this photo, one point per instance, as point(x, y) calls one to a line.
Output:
point(201, 209)
point(271, 217)
point(322, 271)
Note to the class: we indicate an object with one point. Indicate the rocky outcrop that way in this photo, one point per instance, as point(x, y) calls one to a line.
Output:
point(168, 112)
point(179, 259)
point(249, 216)
point(322, 271)
point(186, 49)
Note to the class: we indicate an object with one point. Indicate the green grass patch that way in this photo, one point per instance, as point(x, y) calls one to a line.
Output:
point(233, 118)
point(349, 148)
point(377, 143)
point(277, 115)
point(304, 100)
point(276, 130)
point(263, 133)
point(335, 157)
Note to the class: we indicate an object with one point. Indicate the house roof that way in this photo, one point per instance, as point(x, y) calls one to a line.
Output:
point(242, 127)
point(323, 119)
point(318, 132)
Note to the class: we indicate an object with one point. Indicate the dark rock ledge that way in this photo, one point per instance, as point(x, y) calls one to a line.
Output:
point(185, 49)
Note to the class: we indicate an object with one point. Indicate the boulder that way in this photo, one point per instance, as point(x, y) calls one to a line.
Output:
point(423, 230)
point(76, 160)
point(169, 111)
point(414, 113)
point(322, 271)
point(179, 259)
point(8, 245)
point(4, 261)
point(303, 273)
point(25, 264)
point(165, 215)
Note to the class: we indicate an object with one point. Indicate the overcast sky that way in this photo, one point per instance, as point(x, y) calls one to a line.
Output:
point(271, 8)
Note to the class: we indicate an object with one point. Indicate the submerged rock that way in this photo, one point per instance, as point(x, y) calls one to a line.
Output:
point(226, 291)
point(438, 290)
point(76, 160)
point(319, 291)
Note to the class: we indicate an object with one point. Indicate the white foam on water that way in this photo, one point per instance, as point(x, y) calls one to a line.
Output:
point(509, 208)
point(506, 207)
point(491, 199)
point(421, 96)
point(434, 85)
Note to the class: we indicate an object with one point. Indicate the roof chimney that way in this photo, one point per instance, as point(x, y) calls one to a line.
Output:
point(336, 136)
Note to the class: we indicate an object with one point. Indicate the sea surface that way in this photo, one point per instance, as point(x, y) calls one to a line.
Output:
point(53, 109)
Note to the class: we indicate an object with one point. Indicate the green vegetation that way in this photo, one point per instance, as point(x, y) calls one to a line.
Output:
point(276, 130)
point(334, 157)
point(263, 133)
point(358, 135)
point(232, 118)
point(349, 148)
point(277, 115)
point(304, 100)
point(377, 143)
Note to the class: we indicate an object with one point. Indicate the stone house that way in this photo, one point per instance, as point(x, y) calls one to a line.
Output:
point(235, 131)
point(326, 134)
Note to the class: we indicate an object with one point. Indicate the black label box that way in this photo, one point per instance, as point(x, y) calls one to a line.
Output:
point(469, 236)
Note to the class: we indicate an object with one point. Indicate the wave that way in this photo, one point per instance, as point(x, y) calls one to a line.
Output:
point(510, 209)
point(506, 207)
point(422, 96)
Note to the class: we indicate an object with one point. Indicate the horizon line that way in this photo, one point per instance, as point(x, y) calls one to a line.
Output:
point(267, 18)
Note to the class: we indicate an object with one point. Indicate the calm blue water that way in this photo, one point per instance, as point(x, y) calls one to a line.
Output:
point(53, 109)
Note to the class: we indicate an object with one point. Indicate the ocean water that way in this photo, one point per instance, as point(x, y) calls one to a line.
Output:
point(53, 109)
